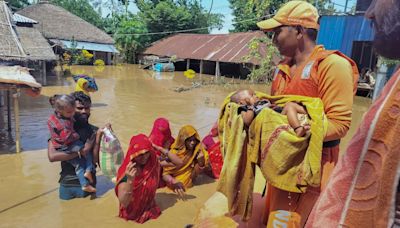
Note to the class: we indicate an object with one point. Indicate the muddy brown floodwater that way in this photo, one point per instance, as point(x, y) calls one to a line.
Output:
point(130, 99)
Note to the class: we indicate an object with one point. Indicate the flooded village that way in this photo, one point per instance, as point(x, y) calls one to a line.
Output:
point(182, 74)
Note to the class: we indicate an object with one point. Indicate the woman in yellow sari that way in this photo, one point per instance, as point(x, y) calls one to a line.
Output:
point(189, 148)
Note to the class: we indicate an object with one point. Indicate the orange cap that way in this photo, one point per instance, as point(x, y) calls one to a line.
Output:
point(293, 13)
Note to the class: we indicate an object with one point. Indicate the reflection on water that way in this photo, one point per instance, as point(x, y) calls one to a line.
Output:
point(130, 99)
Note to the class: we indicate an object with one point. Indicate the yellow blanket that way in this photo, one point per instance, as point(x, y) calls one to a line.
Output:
point(288, 162)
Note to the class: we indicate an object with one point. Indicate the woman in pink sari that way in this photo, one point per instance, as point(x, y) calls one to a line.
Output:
point(212, 144)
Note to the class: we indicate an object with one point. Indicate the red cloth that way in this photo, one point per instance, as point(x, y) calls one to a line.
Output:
point(62, 131)
point(143, 205)
point(214, 151)
point(216, 161)
point(161, 134)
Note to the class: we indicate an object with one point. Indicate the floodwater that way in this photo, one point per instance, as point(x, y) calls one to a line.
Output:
point(130, 99)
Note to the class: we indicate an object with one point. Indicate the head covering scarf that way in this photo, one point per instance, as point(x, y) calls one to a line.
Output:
point(80, 86)
point(161, 133)
point(184, 173)
point(142, 206)
point(91, 81)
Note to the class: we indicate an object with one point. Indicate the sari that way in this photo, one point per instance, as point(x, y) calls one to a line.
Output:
point(80, 86)
point(214, 151)
point(161, 134)
point(184, 173)
point(143, 205)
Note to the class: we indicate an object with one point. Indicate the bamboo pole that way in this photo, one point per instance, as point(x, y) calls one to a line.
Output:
point(16, 113)
point(44, 73)
point(187, 64)
point(8, 111)
point(201, 70)
point(217, 71)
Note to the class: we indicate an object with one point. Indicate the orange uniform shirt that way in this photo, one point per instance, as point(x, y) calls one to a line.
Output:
point(332, 77)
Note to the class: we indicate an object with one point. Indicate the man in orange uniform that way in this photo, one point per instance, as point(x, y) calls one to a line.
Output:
point(310, 70)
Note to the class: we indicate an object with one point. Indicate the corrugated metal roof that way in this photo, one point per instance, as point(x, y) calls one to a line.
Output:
point(88, 46)
point(230, 48)
point(22, 19)
point(339, 32)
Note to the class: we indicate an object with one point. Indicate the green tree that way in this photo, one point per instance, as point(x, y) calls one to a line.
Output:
point(247, 12)
point(172, 15)
point(17, 4)
point(82, 9)
point(127, 37)
point(261, 50)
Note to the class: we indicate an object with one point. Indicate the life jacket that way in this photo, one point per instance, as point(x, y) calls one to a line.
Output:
point(306, 84)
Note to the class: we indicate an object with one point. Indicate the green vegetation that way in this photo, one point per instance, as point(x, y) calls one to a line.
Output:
point(247, 12)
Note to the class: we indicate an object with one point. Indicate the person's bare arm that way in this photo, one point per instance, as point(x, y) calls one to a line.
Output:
point(172, 157)
point(96, 146)
point(290, 110)
point(248, 117)
point(125, 188)
point(55, 156)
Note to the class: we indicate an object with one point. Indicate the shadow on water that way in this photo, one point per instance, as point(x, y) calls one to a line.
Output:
point(203, 179)
point(104, 184)
point(98, 105)
point(166, 200)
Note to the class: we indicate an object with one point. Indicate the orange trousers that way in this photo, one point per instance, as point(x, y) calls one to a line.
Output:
point(301, 203)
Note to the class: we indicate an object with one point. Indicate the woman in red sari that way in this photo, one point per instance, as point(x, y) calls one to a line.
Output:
point(161, 134)
point(212, 144)
point(137, 181)
point(161, 139)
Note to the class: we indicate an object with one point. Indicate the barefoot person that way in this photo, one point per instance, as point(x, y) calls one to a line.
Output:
point(251, 105)
point(69, 183)
point(364, 188)
point(65, 139)
point(310, 70)
point(137, 181)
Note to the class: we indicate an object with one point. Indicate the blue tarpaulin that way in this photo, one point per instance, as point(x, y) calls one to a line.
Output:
point(89, 46)
point(339, 32)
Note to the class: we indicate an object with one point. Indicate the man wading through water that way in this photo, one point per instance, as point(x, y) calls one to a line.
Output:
point(69, 183)
point(310, 70)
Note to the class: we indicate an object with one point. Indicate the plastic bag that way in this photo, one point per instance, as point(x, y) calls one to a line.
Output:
point(110, 154)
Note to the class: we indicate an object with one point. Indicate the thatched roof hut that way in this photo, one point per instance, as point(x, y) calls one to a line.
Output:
point(10, 47)
point(57, 23)
point(35, 45)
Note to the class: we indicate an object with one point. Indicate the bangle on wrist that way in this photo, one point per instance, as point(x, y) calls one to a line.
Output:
point(79, 154)
point(297, 127)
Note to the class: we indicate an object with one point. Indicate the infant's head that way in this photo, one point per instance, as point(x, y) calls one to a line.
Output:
point(244, 97)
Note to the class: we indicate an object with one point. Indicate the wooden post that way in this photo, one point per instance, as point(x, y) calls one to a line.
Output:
point(16, 115)
point(108, 61)
point(44, 74)
point(187, 64)
point(94, 56)
point(1, 98)
point(201, 70)
point(8, 111)
point(217, 71)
